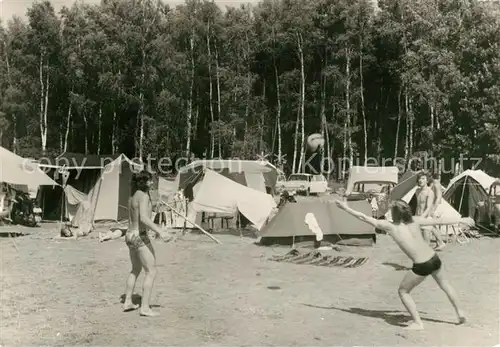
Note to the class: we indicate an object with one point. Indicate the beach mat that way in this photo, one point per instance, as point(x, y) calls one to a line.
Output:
point(318, 259)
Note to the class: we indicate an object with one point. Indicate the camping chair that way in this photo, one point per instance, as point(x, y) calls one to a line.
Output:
point(211, 217)
point(457, 234)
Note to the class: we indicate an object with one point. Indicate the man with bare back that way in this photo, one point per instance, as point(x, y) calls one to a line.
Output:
point(405, 231)
point(141, 251)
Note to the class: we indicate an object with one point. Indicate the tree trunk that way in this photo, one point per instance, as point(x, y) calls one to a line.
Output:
point(278, 113)
point(432, 115)
point(249, 90)
point(68, 126)
point(189, 129)
point(324, 123)
point(407, 121)
point(379, 143)
point(45, 111)
point(210, 91)
point(14, 117)
point(113, 133)
point(44, 100)
point(348, 105)
point(398, 126)
point(99, 131)
point(362, 95)
point(196, 117)
point(302, 99)
point(141, 104)
point(143, 78)
point(411, 140)
point(261, 140)
point(344, 150)
point(219, 114)
point(295, 140)
point(86, 129)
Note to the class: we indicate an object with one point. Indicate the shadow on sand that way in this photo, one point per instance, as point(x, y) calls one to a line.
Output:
point(137, 300)
point(13, 234)
point(392, 317)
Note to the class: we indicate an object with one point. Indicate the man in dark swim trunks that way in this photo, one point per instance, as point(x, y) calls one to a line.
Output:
point(141, 251)
point(405, 231)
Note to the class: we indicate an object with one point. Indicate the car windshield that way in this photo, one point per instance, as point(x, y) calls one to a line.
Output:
point(298, 178)
point(375, 187)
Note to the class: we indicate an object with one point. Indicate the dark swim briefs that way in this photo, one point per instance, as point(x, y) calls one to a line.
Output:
point(135, 242)
point(427, 268)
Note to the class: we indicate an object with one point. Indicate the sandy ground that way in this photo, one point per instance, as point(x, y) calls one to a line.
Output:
point(58, 292)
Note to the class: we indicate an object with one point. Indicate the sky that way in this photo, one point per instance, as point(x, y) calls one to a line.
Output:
point(9, 8)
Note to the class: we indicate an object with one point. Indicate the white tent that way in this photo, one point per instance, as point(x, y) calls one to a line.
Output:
point(17, 170)
point(444, 210)
point(219, 194)
point(480, 176)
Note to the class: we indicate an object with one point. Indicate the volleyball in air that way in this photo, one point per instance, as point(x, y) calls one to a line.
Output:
point(315, 142)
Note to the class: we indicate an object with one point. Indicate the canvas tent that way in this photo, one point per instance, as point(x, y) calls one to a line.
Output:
point(84, 172)
point(167, 188)
point(16, 170)
point(112, 190)
point(406, 190)
point(467, 191)
point(216, 193)
point(479, 176)
point(101, 183)
point(259, 175)
point(289, 225)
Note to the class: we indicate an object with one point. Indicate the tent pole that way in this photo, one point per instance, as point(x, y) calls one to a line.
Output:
point(462, 196)
point(186, 220)
point(94, 208)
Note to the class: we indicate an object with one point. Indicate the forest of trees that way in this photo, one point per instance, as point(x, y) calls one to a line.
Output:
point(403, 79)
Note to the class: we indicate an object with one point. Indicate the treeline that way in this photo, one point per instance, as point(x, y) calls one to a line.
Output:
point(403, 79)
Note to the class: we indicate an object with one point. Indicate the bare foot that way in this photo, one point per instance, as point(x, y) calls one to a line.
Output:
point(414, 326)
point(149, 313)
point(130, 307)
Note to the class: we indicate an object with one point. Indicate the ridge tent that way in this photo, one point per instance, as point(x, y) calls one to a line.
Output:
point(480, 176)
point(259, 175)
point(466, 193)
point(288, 226)
point(111, 192)
point(22, 172)
point(84, 172)
point(102, 181)
point(216, 193)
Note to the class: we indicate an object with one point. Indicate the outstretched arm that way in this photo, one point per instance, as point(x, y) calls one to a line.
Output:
point(379, 224)
point(443, 221)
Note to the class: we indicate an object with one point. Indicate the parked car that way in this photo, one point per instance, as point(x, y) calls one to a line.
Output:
point(306, 184)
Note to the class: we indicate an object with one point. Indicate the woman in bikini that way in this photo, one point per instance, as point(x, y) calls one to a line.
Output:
point(141, 251)
point(405, 231)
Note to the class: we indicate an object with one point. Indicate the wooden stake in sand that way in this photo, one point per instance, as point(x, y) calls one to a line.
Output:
point(185, 218)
